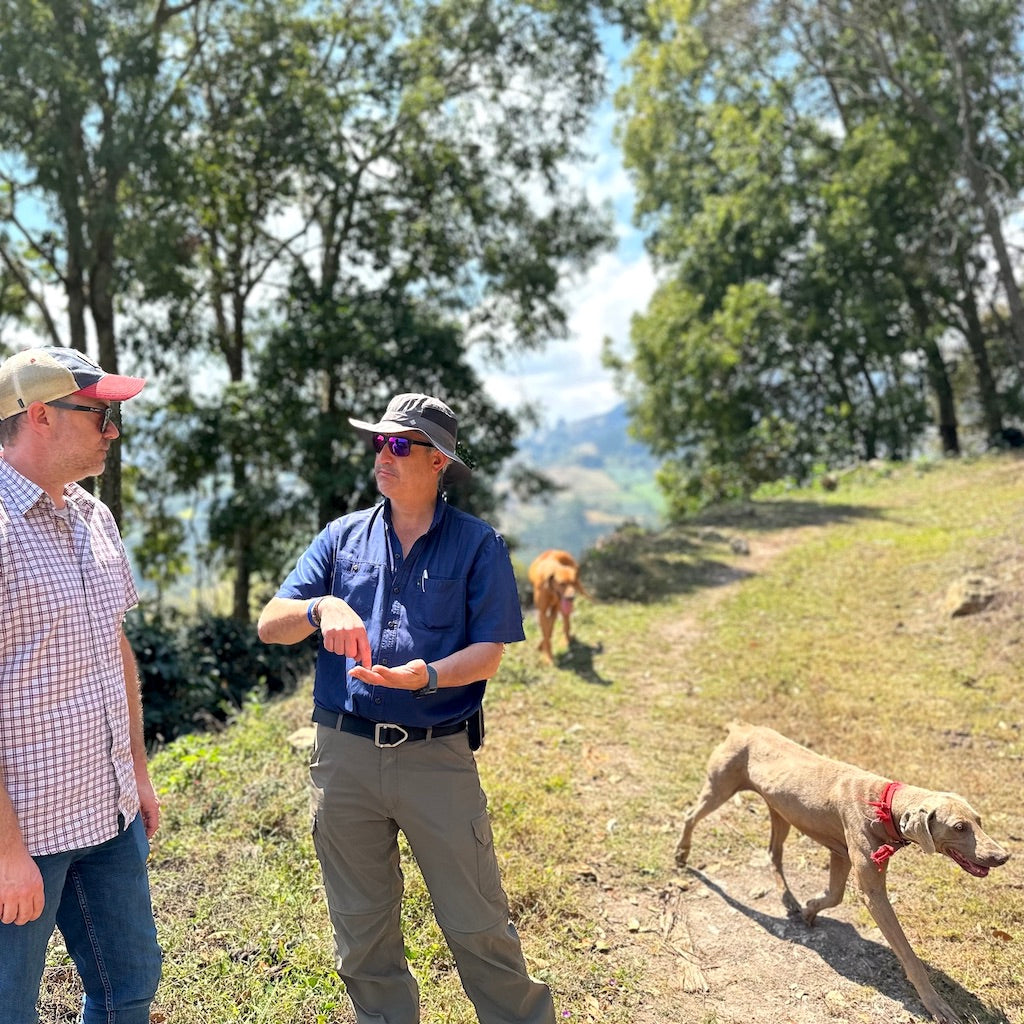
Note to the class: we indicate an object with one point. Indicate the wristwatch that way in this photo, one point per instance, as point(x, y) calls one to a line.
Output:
point(431, 687)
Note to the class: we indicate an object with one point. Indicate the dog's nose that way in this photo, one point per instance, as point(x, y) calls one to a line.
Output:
point(994, 857)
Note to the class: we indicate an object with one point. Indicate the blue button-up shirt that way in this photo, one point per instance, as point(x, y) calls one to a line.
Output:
point(454, 588)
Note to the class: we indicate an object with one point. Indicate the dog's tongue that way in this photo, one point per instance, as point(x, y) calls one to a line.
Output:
point(566, 605)
point(978, 870)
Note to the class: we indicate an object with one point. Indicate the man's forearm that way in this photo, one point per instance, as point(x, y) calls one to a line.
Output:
point(10, 831)
point(284, 621)
point(133, 695)
point(471, 664)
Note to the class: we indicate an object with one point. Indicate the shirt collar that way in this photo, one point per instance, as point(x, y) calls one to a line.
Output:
point(24, 495)
point(439, 509)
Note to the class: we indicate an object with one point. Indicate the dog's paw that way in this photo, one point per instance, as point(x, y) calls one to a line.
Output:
point(940, 1010)
point(791, 905)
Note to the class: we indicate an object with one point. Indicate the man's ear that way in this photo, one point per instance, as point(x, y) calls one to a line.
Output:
point(38, 414)
point(915, 824)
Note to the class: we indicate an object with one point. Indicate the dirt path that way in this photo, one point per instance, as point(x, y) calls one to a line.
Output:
point(712, 943)
point(715, 945)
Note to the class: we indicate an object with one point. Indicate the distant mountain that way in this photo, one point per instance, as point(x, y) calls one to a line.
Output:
point(605, 478)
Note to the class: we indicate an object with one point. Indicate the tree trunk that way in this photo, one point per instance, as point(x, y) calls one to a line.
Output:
point(988, 394)
point(101, 295)
point(945, 404)
point(938, 376)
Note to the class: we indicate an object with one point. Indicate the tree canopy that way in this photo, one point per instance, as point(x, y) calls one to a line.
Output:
point(826, 189)
point(283, 213)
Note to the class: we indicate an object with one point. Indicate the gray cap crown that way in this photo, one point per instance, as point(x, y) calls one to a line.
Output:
point(430, 416)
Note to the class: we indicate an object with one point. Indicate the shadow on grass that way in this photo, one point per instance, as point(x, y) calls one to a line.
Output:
point(781, 515)
point(635, 564)
point(579, 658)
point(870, 964)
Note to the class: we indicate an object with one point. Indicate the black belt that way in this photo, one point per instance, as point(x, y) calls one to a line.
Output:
point(383, 734)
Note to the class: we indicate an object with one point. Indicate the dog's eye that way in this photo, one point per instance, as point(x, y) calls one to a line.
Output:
point(960, 826)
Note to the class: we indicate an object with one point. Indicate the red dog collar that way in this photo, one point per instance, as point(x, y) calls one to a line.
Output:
point(883, 813)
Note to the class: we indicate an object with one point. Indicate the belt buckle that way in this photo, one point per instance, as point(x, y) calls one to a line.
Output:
point(378, 742)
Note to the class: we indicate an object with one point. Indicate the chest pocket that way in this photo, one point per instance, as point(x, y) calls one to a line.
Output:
point(439, 604)
point(356, 583)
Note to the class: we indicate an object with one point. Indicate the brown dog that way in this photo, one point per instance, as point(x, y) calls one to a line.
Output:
point(556, 582)
point(862, 819)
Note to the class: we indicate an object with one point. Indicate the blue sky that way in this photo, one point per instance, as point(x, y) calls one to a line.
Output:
point(567, 378)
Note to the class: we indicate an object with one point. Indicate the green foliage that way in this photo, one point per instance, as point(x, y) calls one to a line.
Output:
point(297, 210)
point(815, 202)
point(197, 671)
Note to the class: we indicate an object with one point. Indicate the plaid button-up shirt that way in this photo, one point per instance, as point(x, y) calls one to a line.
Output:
point(65, 585)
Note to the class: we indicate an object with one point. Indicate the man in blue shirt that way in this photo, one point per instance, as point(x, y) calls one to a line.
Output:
point(414, 601)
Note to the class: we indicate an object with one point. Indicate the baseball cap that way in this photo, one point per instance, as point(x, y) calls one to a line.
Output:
point(46, 374)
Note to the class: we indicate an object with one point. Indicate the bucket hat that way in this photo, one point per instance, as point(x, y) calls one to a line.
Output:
point(430, 416)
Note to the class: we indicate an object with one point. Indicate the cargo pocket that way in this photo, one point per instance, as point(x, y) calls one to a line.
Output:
point(487, 863)
point(314, 789)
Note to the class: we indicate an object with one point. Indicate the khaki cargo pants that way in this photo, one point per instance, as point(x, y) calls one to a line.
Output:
point(430, 790)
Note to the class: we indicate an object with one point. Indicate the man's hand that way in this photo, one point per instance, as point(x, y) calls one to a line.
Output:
point(410, 676)
point(21, 887)
point(343, 632)
point(149, 805)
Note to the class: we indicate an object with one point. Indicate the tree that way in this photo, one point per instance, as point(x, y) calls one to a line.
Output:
point(944, 82)
point(87, 93)
point(802, 207)
point(201, 171)
point(379, 188)
point(954, 67)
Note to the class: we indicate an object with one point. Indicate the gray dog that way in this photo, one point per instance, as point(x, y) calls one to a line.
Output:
point(862, 819)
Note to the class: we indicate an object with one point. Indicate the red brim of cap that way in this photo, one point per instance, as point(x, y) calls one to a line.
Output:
point(113, 387)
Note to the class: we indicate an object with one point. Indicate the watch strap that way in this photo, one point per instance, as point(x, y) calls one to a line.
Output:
point(431, 687)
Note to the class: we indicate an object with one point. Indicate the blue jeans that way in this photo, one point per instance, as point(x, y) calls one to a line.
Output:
point(99, 899)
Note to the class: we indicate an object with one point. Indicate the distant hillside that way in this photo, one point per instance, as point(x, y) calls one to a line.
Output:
point(604, 478)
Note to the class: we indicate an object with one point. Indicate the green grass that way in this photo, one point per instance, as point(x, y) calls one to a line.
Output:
point(839, 642)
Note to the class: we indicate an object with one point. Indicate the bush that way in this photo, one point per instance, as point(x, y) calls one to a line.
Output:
point(616, 568)
point(196, 672)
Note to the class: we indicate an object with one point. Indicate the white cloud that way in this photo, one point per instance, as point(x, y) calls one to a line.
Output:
point(567, 379)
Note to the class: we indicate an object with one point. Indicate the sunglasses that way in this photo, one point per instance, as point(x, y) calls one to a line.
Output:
point(400, 446)
point(105, 412)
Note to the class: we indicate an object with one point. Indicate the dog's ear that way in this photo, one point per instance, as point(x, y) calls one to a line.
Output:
point(915, 824)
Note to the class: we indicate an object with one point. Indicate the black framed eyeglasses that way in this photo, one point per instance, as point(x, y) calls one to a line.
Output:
point(106, 412)
point(400, 446)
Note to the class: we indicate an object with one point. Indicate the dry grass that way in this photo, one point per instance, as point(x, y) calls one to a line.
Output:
point(830, 630)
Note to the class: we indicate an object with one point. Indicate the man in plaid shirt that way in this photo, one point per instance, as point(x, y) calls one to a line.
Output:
point(77, 808)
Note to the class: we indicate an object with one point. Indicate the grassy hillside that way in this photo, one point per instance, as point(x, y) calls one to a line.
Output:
point(830, 628)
